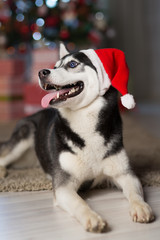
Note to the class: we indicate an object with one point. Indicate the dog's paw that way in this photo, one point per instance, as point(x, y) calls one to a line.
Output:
point(141, 212)
point(94, 223)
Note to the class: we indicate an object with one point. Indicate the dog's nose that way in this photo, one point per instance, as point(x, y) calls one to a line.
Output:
point(44, 73)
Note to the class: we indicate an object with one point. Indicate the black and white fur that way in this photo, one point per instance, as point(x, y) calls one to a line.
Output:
point(78, 141)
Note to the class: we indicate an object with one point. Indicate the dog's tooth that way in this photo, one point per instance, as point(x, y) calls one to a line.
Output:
point(58, 95)
point(45, 86)
point(56, 87)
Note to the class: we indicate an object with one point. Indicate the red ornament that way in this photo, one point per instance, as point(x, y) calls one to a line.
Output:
point(34, 27)
point(64, 34)
point(4, 19)
point(24, 29)
point(51, 21)
point(22, 48)
point(81, 1)
point(94, 37)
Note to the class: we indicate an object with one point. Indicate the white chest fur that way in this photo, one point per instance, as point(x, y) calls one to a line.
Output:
point(86, 162)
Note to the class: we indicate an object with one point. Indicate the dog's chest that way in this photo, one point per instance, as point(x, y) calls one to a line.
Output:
point(94, 148)
point(84, 123)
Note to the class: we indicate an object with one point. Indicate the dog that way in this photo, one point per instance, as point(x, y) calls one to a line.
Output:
point(78, 140)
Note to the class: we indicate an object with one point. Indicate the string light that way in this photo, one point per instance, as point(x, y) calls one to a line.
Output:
point(20, 17)
point(51, 3)
point(99, 16)
point(40, 22)
point(37, 36)
point(39, 3)
point(65, 1)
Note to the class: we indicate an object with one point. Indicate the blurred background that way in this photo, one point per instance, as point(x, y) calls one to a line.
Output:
point(30, 31)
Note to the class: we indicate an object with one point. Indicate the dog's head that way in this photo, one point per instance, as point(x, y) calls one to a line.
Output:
point(73, 83)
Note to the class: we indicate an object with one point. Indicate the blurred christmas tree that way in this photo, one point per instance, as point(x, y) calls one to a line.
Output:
point(44, 22)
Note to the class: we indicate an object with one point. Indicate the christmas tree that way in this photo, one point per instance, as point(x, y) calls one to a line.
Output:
point(45, 22)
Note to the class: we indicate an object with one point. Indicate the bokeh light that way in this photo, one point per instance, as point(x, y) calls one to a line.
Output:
point(40, 22)
point(39, 3)
point(37, 36)
point(20, 17)
point(99, 16)
point(51, 3)
point(65, 1)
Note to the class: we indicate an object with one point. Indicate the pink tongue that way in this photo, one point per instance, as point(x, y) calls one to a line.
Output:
point(47, 98)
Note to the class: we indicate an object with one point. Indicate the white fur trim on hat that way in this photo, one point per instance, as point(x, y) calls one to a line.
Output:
point(104, 81)
point(128, 101)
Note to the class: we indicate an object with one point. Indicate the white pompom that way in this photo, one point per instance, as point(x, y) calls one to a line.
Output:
point(128, 101)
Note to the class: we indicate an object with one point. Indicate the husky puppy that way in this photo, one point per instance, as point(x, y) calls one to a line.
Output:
point(78, 140)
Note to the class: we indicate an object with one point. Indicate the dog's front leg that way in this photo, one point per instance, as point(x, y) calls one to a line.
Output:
point(68, 199)
point(118, 168)
point(140, 211)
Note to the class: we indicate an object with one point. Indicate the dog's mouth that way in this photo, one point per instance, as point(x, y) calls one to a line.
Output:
point(60, 93)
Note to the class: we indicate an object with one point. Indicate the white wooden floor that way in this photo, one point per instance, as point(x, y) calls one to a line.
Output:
point(31, 215)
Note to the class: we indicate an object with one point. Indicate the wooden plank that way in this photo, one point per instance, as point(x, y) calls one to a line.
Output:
point(31, 215)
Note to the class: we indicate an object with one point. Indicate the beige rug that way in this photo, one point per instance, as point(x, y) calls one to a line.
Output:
point(142, 148)
point(34, 179)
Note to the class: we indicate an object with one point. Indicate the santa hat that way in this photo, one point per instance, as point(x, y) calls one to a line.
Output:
point(112, 70)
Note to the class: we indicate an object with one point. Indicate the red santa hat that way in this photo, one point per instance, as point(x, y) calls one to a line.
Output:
point(112, 70)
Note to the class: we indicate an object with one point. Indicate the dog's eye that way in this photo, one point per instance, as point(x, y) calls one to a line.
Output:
point(72, 64)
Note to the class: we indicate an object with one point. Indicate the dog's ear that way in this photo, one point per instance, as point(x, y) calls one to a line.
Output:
point(62, 50)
